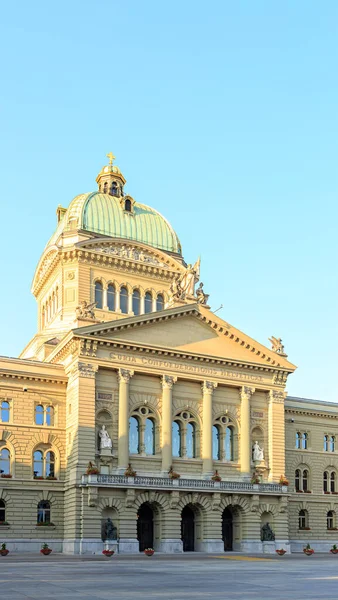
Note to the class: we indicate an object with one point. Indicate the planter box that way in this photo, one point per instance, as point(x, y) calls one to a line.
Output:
point(149, 552)
point(108, 552)
point(4, 552)
point(309, 552)
point(46, 551)
point(281, 552)
point(334, 551)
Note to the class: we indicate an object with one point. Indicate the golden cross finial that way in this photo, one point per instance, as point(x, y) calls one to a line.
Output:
point(111, 158)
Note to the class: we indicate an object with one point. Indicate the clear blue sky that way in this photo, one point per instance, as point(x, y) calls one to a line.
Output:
point(222, 115)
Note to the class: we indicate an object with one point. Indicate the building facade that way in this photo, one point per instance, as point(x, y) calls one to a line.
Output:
point(137, 418)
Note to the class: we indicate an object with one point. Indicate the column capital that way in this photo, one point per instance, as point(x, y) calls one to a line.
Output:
point(276, 397)
point(124, 375)
point(168, 381)
point(82, 369)
point(208, 387)
point(246, 392)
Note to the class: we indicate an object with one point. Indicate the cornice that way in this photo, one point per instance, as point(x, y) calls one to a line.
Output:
point(312, 413)
point(31, 377)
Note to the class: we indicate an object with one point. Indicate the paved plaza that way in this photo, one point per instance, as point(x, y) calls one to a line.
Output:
point(187, 577)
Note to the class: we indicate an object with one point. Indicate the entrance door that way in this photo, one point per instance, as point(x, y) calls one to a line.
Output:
point(188, 529)
point(145, 527)
point(227, 529)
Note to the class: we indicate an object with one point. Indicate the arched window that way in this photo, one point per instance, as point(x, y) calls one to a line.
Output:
point(39, 415)
point(298, 440)
point(127, 205)
point(305, 480)
point(105, 187)
point(134, 435)
point(190, 441)
point(297, 480)
point(124, 300)
point(159, 302)
point(98, 294)
point(44, 512)
point(4, 411)
point(148, 302)
point(332, 482)
point(176, 435)
point(332, 443)
point(136, 302)
point(50, 464)
point(5, 462)
point(2, 512)
point(326, 443)
point(216, 445)
point(330, 520)
point(305, 441)
point(325, 481)
point(38, 464)
point(229, 444)
point(302, 519)
point(113, 188)
point(149, 436)
point(111, 297)
point(50, 416)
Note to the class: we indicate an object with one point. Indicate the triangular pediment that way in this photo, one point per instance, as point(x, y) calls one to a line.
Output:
point(191, 329)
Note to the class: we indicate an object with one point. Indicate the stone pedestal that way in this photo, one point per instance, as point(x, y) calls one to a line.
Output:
point(170, 546)
point(210, 546)
point(269, 547)
point(128, 546)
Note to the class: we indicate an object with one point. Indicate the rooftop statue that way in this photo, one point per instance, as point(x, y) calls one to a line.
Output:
point(277, 345)
point(202, 298)
point(85, 310)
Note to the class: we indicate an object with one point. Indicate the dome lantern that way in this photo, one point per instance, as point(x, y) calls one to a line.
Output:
point(110, 179)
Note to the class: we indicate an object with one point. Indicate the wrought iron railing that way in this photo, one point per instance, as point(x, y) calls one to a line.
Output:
point(195, 484)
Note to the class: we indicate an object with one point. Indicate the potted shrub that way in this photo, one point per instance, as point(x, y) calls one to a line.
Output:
point(172, 474)
point(3, 550)
point(51, 478)
point(283, 480)
point(4, 523)
point(308, 550)
point(108, 552)
point(45, 549)
point(6, 476)
point(149, 551)
point(281, 552)
point(255, 479)
point(45, 524)
point(92, 470)
point(129, 472)
point(216, 477)
point(38, 477)
point(334, 549)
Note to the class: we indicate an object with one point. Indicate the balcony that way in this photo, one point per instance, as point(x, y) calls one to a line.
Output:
point(201, 485)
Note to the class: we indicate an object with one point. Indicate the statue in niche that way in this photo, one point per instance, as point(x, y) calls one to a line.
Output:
point(105, 440)
point(267, 535)
point(85, 310)
point(257, 452)
point(202, 298)
point(109, 531)
point(175, 290)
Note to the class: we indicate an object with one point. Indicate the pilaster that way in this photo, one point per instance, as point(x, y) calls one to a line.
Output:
point(207, 391)
point(245, 441)
point(124, 376)
point(167, 392)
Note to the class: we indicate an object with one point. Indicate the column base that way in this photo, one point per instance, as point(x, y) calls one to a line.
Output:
point(210, 546)
point(128, 546)
point(170, 546)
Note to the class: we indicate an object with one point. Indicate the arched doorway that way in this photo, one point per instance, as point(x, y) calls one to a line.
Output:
point(227, 529)
point(145, 527)
point(188, 529)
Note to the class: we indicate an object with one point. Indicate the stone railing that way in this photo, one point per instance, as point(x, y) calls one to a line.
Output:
point(184, 484)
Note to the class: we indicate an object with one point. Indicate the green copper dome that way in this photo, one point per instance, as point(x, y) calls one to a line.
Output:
point(107, 215)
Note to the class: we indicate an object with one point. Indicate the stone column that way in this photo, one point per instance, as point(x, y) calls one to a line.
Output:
point(123, 442)
point(207, 390)
point(167, 401)
point(117, 298)
point(105, 299)
point(245, 442)
point(142, 303)
point(154, 303)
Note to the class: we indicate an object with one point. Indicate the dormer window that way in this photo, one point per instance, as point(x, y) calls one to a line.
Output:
point(127, 205)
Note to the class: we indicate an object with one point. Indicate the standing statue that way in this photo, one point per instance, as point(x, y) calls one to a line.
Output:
point(258, 452)
point(267, 535)
point(277, 345)
point(189, 279)
point(109, 531)
point(202, 298)
point(105, 440)
point(85, 310)
point(175, 290)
